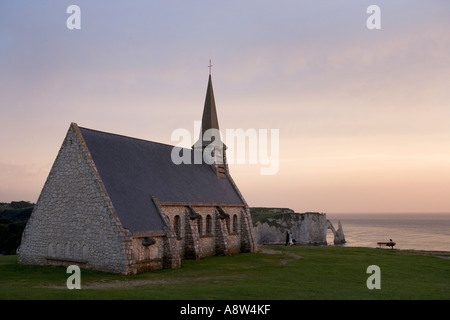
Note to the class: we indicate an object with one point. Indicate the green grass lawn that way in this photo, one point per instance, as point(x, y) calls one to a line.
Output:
point(279, 272)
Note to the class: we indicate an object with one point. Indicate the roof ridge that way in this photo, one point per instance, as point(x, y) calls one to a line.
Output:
point(134, 138)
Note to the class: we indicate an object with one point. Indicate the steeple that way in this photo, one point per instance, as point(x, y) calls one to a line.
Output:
point(210, 134)
point(209, 118)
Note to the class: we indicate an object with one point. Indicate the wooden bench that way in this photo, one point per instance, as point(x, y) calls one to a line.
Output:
point(387, 244)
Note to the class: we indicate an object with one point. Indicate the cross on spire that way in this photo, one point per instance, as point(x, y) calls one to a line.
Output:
point(210, 65)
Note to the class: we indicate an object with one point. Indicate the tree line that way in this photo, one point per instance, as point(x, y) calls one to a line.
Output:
point(13, 219)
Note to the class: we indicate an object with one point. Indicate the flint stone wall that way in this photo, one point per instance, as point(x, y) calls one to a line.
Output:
point(72, 222)
point(208, 234)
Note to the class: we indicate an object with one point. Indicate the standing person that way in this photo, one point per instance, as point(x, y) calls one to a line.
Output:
point(287, 237)
point(291, 243)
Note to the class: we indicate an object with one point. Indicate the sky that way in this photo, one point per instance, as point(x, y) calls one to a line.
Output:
point(363, 115)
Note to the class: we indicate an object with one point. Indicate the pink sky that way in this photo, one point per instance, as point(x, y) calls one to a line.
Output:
point(363, 115)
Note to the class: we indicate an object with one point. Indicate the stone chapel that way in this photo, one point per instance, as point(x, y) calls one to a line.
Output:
point(119, 204)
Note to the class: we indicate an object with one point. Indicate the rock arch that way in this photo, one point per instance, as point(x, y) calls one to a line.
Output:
point(339, 237)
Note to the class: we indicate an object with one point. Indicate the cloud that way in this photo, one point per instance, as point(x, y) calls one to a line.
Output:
point(333, 88)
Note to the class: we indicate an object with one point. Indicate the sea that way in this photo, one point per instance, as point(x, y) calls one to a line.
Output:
point(426, 231)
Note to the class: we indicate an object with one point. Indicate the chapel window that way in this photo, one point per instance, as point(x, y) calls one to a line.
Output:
point(235, 224)
point(177, 226)
point(227, 220)
point(208, 224)
point(200, 225)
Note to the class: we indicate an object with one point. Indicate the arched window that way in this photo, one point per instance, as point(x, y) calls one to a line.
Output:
point(85, 252)
point(177, 226)
point(208, 224)
point(76, 253)
point(200, 225)
point(235, 224)
point(51, 250)
point(59, 250)
point(67, 253)
point(227, 220)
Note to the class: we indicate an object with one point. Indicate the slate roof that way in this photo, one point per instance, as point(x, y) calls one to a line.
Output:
point(134, 170)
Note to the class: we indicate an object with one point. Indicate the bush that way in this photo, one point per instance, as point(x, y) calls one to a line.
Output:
point(13, 219)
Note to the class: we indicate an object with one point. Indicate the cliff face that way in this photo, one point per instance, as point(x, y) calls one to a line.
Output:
point(339, 237)
point(271, 225)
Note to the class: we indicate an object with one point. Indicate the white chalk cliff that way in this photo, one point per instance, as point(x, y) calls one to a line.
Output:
point(310, 228)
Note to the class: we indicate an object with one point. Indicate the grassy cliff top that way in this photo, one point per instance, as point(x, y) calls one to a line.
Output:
point(277, 272)
point(272, 215)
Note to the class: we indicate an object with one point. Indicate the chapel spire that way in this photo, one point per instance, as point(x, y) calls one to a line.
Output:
point(209, 118)
point(209, 141)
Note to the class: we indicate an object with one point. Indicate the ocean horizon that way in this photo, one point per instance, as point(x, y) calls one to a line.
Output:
point(412, 231)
